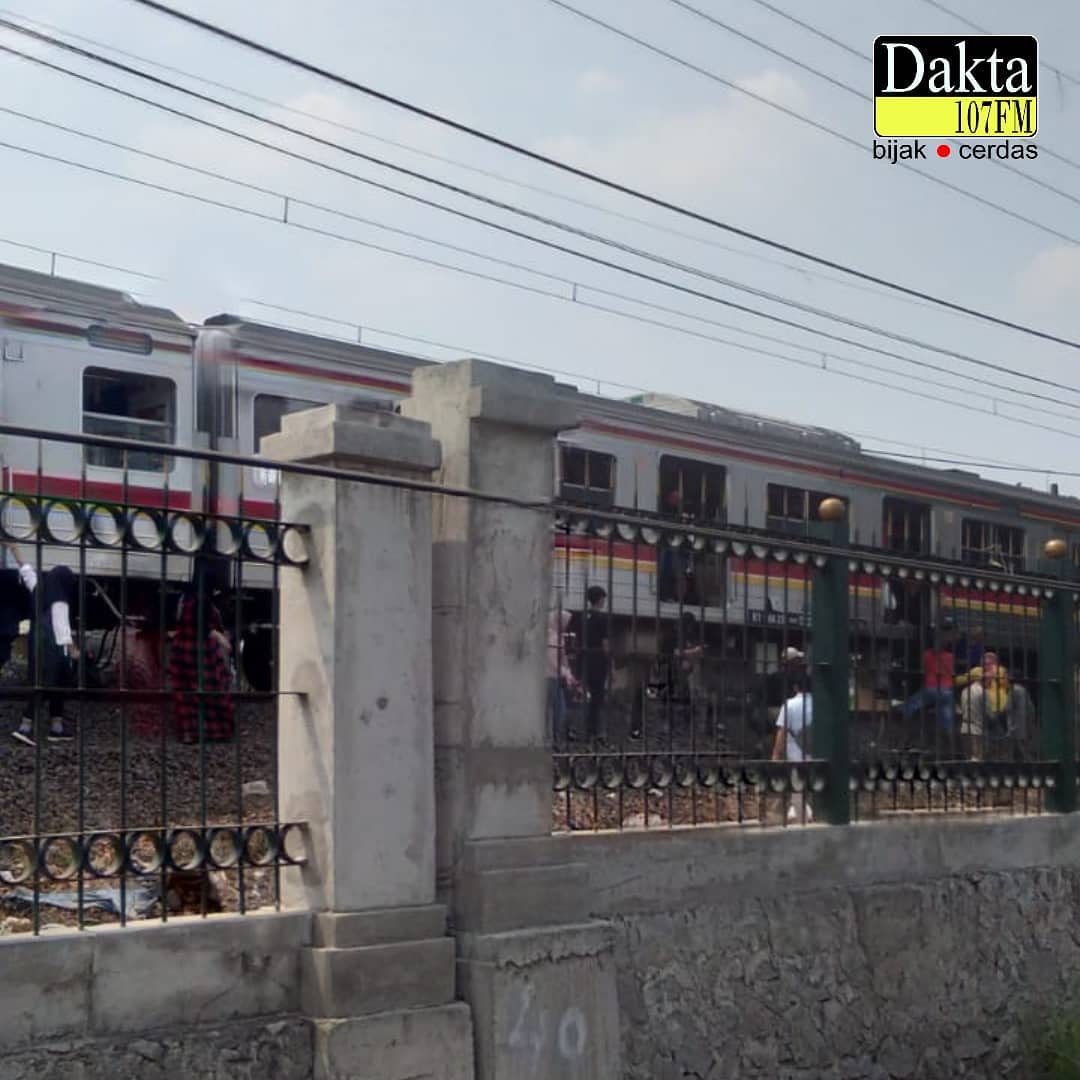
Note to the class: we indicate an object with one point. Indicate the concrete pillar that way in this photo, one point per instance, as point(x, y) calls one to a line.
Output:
point(356, 753)
point(537, 972)
point(492, 586)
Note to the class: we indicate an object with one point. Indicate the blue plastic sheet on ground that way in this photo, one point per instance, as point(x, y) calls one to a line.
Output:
point(138, 899)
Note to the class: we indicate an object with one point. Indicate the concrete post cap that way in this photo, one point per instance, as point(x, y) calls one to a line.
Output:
point(346, 436)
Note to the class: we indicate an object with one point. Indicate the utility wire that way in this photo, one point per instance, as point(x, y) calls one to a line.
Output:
point(456, 189)
point(817, 367)
point(957, 458)
point(295, 200)
point(292, 199)
point(810, 27)
point(77, 259)
point(982, 30)
point(589, 257)
point(818, 32)
point(466, 350)
point(808, 120)
point(585, 174)
point(490, 174)
point(1036, 469)
point(862, 95)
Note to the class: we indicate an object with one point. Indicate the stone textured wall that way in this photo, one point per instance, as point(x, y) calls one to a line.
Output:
point(928, 980)
point(919, 973)
point(277, 1049)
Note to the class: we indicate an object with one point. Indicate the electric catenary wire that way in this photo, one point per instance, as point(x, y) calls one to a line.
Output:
point(816, 367)
point(413, 174)
point(490, 174)
point(982, 30)
point(818, 32)
point(584, 174)
point(626, 248)
point(720, 24)
point(287, 199)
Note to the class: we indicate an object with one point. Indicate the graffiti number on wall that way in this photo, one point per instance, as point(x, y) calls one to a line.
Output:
point(573, 1031)
point(534, 1034)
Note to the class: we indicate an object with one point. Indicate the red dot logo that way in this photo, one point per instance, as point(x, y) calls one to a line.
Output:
point(943, 150)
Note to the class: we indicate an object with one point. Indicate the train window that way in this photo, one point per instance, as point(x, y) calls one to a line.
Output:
point(124, 405)
point(987, 544)
point(112, 337)
point(788, 507)
point(905, 527)
point(270, 410)
point(586, 476)
point(693, 489)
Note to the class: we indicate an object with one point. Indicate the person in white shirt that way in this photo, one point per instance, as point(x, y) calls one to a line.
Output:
point(57, 643)
point(792, 743)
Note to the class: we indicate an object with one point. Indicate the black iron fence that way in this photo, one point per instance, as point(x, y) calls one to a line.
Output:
point(704, 675)
point(138, 685)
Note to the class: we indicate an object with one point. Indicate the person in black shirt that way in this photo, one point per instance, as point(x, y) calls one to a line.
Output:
point(595, 659)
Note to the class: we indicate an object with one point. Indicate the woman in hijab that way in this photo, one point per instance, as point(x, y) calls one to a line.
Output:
point(52, 635)
point(195, 666)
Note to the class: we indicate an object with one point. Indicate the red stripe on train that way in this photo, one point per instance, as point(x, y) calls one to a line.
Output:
point(66, 487)
point(283, 367)
point(777, 573)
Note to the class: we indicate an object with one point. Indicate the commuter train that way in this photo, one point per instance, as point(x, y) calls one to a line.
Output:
point(82, 358)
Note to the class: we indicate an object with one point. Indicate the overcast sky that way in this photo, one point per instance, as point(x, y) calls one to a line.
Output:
point(535, 74)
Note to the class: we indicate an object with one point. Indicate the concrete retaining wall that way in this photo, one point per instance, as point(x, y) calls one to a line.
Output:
point(193, 997)
point(244, 1050)
point(877, 951)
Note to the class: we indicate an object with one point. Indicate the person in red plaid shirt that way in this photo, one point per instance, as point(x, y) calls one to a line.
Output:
point(214, 679)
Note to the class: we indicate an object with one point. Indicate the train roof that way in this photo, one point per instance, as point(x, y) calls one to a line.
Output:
point(755, 423)
point(671, 412)
point(842, 455)
point(78, 298)
point(257, 335)
point(677, 414)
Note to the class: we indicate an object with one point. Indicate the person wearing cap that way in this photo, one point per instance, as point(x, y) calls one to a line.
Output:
point(789, 678)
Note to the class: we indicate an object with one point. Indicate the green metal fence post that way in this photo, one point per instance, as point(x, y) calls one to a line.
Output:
point(1057, 677)
point(830, 658)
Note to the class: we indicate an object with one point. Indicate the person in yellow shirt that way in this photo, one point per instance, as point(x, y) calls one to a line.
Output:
point(989, 702)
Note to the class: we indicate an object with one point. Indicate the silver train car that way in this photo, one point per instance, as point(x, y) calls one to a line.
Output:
point(81, 358)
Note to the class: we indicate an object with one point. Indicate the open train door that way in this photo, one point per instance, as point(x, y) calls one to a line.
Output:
point(217, 428)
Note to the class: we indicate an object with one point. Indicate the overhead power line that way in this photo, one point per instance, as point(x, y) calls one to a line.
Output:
point(1036, 469)
point(862, 95)
point(972, 461)
point(818, 125)
point(982, 30)
point(824, 368)
point(586, 256)
point(456, 189)
point(551, 245)
point(491, 174)
point(55, 254)
point(585, 174)
point(819, 33)
point(816, 31)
